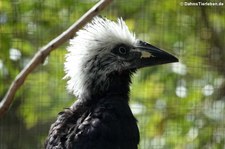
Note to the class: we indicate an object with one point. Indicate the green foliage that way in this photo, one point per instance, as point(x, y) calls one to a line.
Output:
point(177, 105)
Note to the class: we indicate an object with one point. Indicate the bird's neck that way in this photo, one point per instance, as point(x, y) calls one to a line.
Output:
point(119, 84)
point(116, 84)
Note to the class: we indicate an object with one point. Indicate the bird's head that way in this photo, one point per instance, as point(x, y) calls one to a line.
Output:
point(103, 47)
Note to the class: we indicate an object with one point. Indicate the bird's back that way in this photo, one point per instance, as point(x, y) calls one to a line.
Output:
point(105, 124)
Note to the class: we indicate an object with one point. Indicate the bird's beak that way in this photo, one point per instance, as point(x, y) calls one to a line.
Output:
point(150, 55)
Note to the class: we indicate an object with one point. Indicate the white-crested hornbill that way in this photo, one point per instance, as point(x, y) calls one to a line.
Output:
point(100, 62)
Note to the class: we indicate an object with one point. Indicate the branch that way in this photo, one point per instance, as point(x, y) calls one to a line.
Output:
point(40, 56)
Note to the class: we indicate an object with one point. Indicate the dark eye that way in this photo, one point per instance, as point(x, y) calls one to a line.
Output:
point(122, 50)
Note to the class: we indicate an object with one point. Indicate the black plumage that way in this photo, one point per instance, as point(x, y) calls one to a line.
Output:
point(103, 122)
point(101, 117)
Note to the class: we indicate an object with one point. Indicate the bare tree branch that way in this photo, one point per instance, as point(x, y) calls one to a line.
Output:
point(40, 56)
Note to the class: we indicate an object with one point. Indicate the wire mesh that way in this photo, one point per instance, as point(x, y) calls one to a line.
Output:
point(178, 106)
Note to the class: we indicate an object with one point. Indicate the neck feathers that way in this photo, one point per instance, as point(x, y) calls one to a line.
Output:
point(115, 83)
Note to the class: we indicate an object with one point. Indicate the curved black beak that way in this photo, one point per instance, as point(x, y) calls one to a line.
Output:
point(151, 55)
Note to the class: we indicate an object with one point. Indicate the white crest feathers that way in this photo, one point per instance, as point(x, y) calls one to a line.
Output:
point(96, 38)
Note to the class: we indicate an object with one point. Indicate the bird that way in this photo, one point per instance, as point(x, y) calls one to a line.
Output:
point(99, 65)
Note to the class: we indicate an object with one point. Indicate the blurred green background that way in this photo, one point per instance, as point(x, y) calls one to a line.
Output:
point(178, 106)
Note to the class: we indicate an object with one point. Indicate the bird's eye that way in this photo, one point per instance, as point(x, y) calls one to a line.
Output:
point(122, 50)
